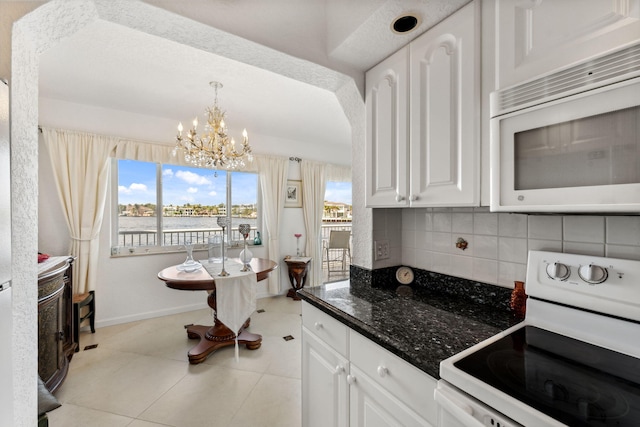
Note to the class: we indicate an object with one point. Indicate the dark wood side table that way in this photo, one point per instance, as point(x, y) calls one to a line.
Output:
point(298, 267)
point(218, 335)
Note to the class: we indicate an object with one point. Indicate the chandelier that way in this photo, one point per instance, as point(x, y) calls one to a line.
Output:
point(213, 148)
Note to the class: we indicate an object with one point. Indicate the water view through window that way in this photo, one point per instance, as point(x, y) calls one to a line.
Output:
point(190, 201)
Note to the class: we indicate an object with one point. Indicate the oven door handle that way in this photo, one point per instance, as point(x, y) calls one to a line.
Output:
point(457, 408)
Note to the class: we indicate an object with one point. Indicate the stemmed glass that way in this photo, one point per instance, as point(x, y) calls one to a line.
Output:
point(298, 236)
point(223, 222)
point(188, 245)
point(245, 255)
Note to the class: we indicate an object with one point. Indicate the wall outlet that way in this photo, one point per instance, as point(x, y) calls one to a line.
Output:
point(381, 249)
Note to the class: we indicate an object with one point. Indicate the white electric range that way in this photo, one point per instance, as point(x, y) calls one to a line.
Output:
point(574, 360)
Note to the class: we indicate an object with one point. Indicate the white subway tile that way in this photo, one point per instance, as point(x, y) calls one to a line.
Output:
point(409, 238)
point(585, 229)
point(623, 252)
point(440, 262)
point(408, 219)
point(423, 259)
point(424, 240)
point(485, 224)
point(511, 249)
point(512, 225)
point(408, 256)
point(596, 249)
point(442, 221)
point(420, 218)
point(545, 245)
point(441, 242)
point(485, 247)
point(623, 230)
point(545, 227)
point(428, 221)
point(462, 266)
point(462, 222)
point(508, 272)
point(485, 270)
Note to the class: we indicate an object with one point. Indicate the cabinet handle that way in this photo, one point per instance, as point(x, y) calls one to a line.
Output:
point(351, 379)
point(399, 198)
point(60, 335)
point(339, 369)
point(317, 325)
point(413, 198)
point(382, 371)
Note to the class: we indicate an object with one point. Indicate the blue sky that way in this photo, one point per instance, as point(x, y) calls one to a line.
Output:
point(181, 184)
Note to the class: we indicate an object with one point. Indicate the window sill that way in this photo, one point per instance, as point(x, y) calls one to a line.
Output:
point(201, 250)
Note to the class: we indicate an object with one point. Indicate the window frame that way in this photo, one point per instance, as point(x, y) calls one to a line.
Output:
point(119, 250)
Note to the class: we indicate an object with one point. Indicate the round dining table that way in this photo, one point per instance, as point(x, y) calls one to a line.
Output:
point(218, 335)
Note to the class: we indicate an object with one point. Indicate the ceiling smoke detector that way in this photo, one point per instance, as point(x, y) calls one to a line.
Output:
point(405, 23)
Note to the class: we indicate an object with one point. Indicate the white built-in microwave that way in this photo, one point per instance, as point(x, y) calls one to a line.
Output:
point(569, 141)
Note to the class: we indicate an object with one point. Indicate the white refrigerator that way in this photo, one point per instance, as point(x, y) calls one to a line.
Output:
point(6, 329)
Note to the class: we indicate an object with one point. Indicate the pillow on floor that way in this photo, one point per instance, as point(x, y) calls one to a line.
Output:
point(46, 401)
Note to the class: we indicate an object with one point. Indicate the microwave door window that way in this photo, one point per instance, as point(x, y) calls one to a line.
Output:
point(599, 150)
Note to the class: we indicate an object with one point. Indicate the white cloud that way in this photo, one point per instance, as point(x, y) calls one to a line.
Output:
point(192, 178)
point(213, 193)
point(133, 187)
point(192, 190)
point(167, 172)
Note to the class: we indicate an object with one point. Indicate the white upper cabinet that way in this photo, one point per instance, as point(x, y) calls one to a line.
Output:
point(445, 121)
point(423, 129)
point(535, 37)
point(387, 131)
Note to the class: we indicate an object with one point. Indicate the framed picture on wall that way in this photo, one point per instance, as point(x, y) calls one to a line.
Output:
point(293, 196)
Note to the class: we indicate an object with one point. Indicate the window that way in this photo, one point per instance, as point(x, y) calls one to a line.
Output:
point(337, 208)
point(337, 202)
point(166, 205)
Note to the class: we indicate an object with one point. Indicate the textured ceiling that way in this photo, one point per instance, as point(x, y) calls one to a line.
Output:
point(279, 74)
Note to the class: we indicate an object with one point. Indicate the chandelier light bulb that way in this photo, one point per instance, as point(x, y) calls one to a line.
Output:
point(195, 123)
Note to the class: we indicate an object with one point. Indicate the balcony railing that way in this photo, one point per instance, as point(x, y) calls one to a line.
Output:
point(133, 238)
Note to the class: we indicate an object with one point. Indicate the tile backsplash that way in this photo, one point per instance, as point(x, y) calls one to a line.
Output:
point(497, 243)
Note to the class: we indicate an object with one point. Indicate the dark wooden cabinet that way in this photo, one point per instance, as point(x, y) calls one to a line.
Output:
point(55, 321)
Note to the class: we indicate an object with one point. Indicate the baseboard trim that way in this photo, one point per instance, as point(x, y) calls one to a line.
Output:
point(149, 315)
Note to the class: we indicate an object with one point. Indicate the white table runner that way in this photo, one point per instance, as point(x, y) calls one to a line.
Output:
point(235, 296)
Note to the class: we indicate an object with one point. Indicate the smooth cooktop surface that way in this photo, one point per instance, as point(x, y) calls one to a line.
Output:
point(577, 383)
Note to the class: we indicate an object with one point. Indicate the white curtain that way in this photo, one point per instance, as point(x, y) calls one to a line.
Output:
point(313, 189)
point(273, 173)
point(337, 173)
point(81, 172)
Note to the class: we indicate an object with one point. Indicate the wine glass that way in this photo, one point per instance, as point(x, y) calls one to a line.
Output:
point(223, 222)
point(245, 255)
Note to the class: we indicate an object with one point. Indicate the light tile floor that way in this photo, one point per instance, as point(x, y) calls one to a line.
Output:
point(139, 375)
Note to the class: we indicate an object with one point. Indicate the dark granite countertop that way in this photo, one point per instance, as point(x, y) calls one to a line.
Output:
point(423, 327)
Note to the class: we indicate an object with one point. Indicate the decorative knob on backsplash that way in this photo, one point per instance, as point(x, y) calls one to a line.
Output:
point(518, 300)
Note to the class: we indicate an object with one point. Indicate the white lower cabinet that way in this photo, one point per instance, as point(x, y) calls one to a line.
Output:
point(359, 384)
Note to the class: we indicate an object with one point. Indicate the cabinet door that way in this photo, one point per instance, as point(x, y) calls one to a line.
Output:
point(387, 132)
point(445, 105)
point(373, 406)
point(325, 392)
point(51, 359)
point(535, 37)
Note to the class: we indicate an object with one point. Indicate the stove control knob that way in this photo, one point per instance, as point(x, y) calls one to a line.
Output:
point(558, 271)
point(593, 274)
